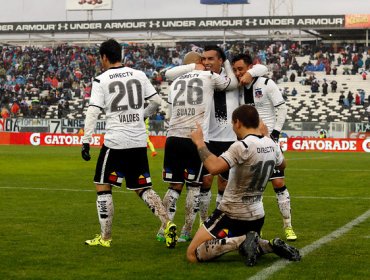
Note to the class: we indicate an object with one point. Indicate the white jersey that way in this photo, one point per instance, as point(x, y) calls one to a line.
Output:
point(191, 97)
point(265, 95)
point(252, 161)
point(224, 104)
point(121, 92)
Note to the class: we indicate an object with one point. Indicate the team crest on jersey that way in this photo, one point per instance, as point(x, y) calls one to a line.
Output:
point(258, 93)
point(144, 179)
point(189, 174)
point(115, 177)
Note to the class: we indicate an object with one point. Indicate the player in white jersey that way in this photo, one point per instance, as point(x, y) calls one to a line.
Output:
point(238, 219)
point(264, 94)
point(121, 92)
point(220, 132)
point(190, 97)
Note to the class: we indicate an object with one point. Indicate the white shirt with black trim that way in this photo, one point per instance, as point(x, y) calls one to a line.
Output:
point(121, 92)
point(251, 161)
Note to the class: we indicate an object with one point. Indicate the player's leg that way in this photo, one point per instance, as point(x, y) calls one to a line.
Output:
point(283, 200)
point(104, 200)
point(151, 147)
point(221, 185)
point(138, 179)
point(205, 196)
point(191, 210)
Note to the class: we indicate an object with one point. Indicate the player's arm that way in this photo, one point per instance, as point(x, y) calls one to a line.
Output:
point(281, 109)
point(233, 84)
point(177, 71)
point(258, 70)
point(215, 165)
point(92, 115)
point(154, 103)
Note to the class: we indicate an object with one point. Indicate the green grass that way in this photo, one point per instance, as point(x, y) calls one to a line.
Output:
point(48, 209)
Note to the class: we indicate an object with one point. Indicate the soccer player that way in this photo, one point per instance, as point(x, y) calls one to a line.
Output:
point(190, 97)
point(121, 92)
point(239, 217)
point(264, 94)
point(221, 134)
point(150, 144)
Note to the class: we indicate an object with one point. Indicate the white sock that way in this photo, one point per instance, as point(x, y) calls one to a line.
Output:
point(104, 205)
point(169, 202)
point(151, 198)
point(204, 202)
point(191, 207)
point(283, 200)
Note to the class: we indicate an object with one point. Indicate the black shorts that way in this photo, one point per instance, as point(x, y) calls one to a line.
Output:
point(181, 161)
point(132, 164)
point(217, 148)
point(219, 225)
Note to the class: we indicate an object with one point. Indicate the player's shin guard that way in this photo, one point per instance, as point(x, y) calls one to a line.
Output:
point(283, 200)
point(216, 247)
point(204, 202)
point(191, 207)
point(169, 202)
point(154, 202)
point(104, 205)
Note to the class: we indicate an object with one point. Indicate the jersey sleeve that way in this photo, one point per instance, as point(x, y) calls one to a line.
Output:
point(219, 82)
point(97, 94)
point(148, 88)
point(274, 93)
point(235, 154)
point(175, 72)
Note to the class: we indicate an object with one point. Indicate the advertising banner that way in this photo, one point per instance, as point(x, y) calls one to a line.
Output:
point(175, 24)
point(357, 21)
point(325, 145)
point(88, 5)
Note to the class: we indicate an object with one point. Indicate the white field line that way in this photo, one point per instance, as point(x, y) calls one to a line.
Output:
point(280, 264)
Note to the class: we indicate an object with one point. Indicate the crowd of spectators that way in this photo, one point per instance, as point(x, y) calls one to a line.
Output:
point(33, 78)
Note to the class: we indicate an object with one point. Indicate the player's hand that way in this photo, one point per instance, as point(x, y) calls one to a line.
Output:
point(246, 79)
point(197, 135)
point(275, 135)
point(85, 151)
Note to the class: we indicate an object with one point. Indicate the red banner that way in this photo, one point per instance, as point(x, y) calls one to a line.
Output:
point(325, 145)
point(54, 139)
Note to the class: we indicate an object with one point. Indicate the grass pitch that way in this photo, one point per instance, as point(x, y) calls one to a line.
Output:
point(48, 210)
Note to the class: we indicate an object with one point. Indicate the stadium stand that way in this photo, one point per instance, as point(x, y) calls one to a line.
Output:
point(56, 82)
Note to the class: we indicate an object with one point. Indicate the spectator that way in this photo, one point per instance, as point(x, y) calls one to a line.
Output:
point(362, 97)
point(368, 113)
point(357, 99)
point(364, 74)
point(333, 84)
point(325, 88)
point(350, 98)
point(294, 92)
point(335, 70)
point(341, 99)
point(292, 77)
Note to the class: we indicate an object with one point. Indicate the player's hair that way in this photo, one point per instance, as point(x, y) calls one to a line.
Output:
point(219, 51)
point(247, 115)
point(245, 57)
point(112, 50)
point(192, 57)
